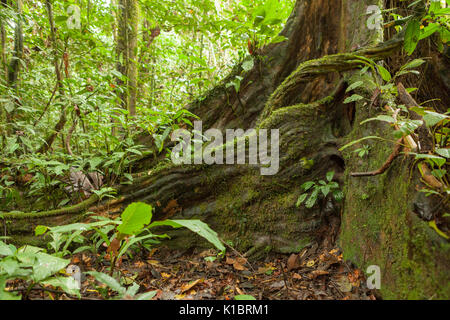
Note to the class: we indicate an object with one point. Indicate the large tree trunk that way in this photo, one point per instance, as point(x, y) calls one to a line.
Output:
point(299, 88)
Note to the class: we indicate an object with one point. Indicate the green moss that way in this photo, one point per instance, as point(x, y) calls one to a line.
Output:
point(383, 230)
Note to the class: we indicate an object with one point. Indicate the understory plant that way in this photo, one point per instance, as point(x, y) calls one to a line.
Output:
point(35, 267)
point(131, 228)
point(320, 189)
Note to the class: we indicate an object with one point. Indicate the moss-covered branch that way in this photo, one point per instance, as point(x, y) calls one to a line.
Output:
point(77, 208)
point(327, 64)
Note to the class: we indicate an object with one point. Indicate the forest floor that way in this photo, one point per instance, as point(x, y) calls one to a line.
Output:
point(313, 274)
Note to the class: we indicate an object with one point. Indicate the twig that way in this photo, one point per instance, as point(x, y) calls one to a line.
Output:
point(238, 253)
point(395, 153)
point(284, 278)
point(48, 104)
point(69, 134)
point(375, 96)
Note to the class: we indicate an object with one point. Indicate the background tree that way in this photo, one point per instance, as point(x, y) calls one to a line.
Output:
point(126, 48)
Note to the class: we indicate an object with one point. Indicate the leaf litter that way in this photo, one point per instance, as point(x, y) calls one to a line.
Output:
point(202, 275)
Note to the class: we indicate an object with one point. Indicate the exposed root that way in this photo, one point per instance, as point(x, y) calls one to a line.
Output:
point(75, 209)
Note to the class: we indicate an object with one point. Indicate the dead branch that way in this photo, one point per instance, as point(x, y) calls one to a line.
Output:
point(395, 153)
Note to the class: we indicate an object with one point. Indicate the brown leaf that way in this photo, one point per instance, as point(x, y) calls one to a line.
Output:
point(114, 246)
point(171, 208)
point(239, 290)
point(314, 274)
point(297, 276)
point(293, 262)
point(238, 263)
point(239, 267)
point(190, 285)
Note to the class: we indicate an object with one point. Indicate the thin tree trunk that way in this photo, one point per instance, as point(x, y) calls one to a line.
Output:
point(59, 79)
point(126, 48)
point(14, 66)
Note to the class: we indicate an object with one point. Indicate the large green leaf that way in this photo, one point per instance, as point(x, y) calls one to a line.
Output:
point(68, 284)
point(5, 250)
point(28, 254)
point(413, 64)
point(7, 295)
point(108, 280)
point(46, 265)
point(9, 265)
point(412, 35)
point(135, 217)
point(384, 73)
point(433, 118)
point(439, 161)
point(196, 226)
point(443, 152)
point(147, 295)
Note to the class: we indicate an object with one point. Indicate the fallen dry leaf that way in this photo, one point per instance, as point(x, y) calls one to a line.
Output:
point(154, 263)
point(239, 290)
point(297, 276)
point(293, 262)
point(314, 274)
point(277, 285)
point(354, 278)
point(238, 263)
point(114, 246)
point(75, 260)
point(190, 285)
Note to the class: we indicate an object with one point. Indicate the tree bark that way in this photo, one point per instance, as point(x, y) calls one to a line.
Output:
point(59, 84)
point(126, 48)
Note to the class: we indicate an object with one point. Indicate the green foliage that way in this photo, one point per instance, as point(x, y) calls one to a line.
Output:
point(434, 20)
point(34, 266)
point(123, 293)
point(197, 226)
point(319, 189)
point(184, 49)
point(362, 152)
point(121, 234)
point(435, 122)
point(244, 297)
point(134, 217)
